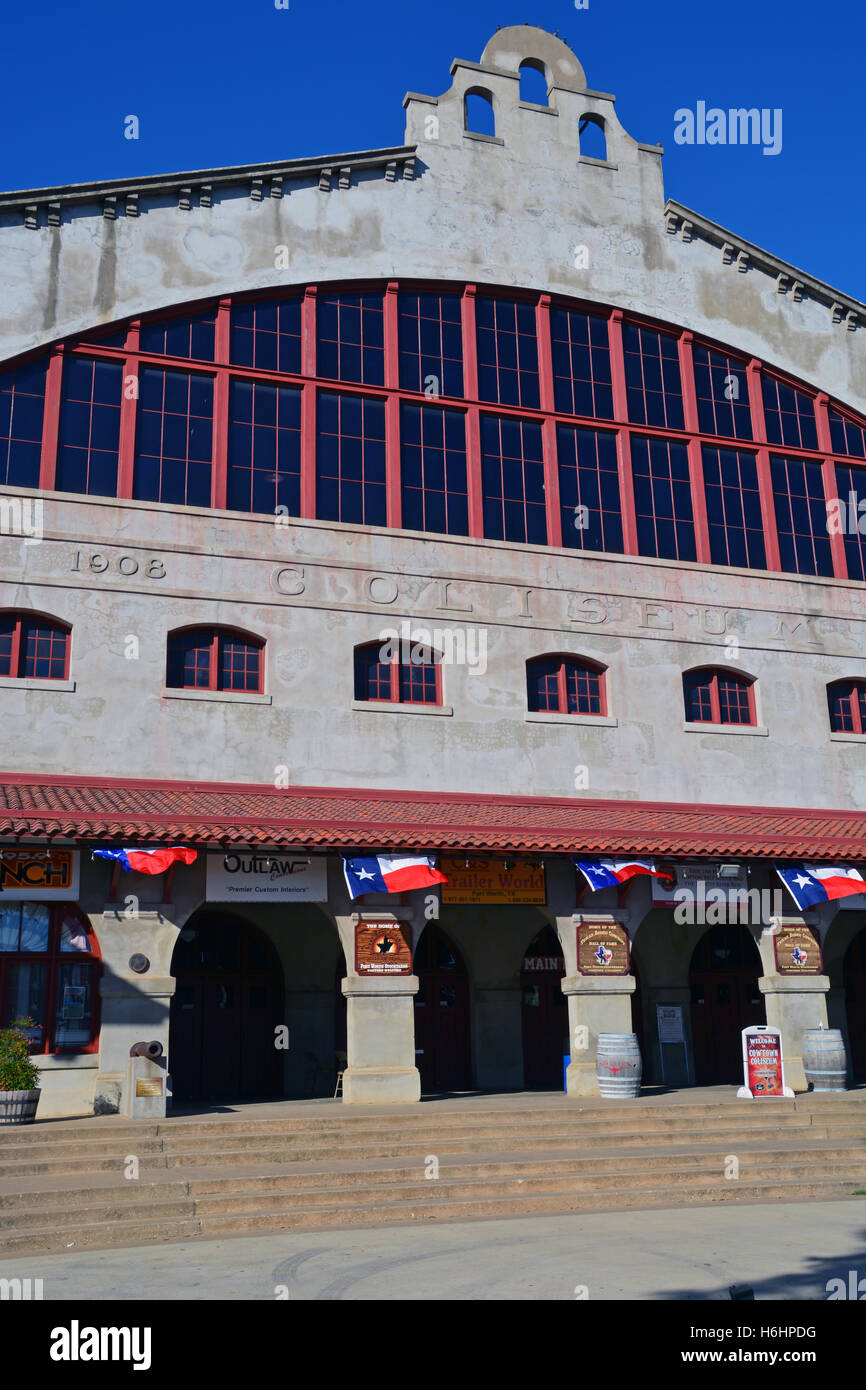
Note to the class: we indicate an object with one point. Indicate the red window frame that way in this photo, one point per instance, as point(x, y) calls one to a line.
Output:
point(56, 631)
point(719, 703)
point(53, 958)
point(402, 688)
point(852, 692)
point(569, 673)
point(218, 638)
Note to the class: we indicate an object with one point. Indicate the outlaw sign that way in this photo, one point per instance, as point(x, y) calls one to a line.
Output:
point(763, 1071)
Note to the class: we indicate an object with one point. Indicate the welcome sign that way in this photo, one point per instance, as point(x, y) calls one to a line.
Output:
point(266, 877)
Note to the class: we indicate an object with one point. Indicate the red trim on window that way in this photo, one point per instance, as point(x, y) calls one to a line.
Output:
point(55, 626)
point(762, 463)
point(220, 451)
point(52, 958)
point(852, 698)
point(51, 419)
point(308, 404)
point(548, 428)
point(390, 335)
point(743, 682)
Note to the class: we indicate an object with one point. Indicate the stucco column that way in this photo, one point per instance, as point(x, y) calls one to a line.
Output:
point(596, 1004)
point(380, 1026)
point(793, 1002)
point(135, 1004)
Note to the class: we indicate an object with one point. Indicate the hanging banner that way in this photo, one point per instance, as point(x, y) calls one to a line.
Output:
point(488, 880)
point(797, 952)
point(700, 881)
point(763, 1069)
point(602, 949)
point(39, 873)
point(266, 877)
point(382, 948)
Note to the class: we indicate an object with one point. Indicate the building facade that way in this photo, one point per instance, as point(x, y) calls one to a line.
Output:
point(464, 497)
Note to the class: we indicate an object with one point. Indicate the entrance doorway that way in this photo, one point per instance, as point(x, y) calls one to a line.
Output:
point(441, 1014)
point(854, 979)
point(723, 976)
point(227, 1003)
point(545, 1013)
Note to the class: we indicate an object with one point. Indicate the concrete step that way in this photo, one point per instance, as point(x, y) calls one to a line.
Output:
point(426, 1206)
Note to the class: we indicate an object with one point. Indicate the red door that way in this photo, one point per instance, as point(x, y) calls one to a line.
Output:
point(545, 1013)
point(724, 976)
point(854, 978)
point(441, 1014)
point(227, 1003)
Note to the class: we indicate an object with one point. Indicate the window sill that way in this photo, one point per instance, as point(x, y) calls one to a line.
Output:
point(757, 729)
point(599, 163)
point(485, 139)
point(848, 738)
point(536, 106)
point(227, 697)
point(33, 683)
point(601, 721)
point(389, 707)
point(66, 1061)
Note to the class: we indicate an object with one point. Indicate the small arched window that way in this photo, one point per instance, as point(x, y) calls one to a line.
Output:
point(565, 685)
point(406, 673)
point(49, 969)
point(478, 114)
point(215, 658)
point(718, 697)
point(593, 144)
point(32, 645)
point(533, 82)
point(847, 701)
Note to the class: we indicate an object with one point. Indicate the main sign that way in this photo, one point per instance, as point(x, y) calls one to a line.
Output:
point(39, 873)
point(266, 877)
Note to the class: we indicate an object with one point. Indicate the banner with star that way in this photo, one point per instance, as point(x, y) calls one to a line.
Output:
point(390, 874)
point(810, 884)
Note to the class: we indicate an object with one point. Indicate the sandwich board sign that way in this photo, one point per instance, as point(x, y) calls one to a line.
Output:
point(763, 1068)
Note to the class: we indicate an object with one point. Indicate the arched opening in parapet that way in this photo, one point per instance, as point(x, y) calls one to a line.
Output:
point(593, 142)
point(478, 114)
point(533, 82)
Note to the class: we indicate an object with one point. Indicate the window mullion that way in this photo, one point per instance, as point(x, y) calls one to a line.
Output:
point(222, 350)
point(623, 446)
point(17, 648)
point(213, 670)
point(393, 498)
point(715, 702)
point(51, 420)
point(308, 404)
point(762, 463)
point(129, 413)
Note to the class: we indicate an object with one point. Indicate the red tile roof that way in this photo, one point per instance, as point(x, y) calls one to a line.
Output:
point(148, 812)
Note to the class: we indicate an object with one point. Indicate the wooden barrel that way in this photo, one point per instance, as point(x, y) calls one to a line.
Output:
point(618, 1065)
point(824, 1059)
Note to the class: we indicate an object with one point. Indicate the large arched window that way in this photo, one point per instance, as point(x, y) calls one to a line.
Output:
point(716, 696)
point(847, 701)
point(406, 673)
point(565, 685)
point(33, 646)
point(215, 658)
point(49, 968)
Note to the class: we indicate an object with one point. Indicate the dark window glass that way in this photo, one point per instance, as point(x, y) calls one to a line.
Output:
point(851, 521)
point(581, 364)
point(89, 426)
point(789, 415)
point(213, 659)
point(37, 941)
point(264, 462)
point(385, 672)
point(267, 334)
point(663, 499)
point(507, 352)
point(847, 701)
point(350, 338)
point(22, 401)
point(431, 344)
point(512, 480)
point(373, 675)
point(350, 463)
point(722, 389)
point(733, 508)
point(717, 697)
point(652, 377)
point(589, 497)
point(174, 438)
point(33, 648)
point(181, 337)
point(560, 685)
point(433, 464)
point(847, 437)
point(801, 516)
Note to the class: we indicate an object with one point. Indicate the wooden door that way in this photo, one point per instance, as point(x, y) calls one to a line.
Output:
point(724, 976)
point(227, 1004)
point(544, 1013)
point(441, 1014)
point(854, 979)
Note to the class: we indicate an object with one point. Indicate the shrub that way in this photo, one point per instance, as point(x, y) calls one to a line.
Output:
point(18, 1072)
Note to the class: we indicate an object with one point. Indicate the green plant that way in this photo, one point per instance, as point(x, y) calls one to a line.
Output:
point(18, 1072)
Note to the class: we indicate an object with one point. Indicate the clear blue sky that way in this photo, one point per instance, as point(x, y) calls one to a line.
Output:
point(238, 81)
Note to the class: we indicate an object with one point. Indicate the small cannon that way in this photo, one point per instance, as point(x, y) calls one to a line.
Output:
point(153, 1050)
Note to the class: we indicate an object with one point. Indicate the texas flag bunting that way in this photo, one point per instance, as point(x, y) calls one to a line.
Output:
point(610, 873)
point(147, 861)
point(809, 884)
point(395, 874)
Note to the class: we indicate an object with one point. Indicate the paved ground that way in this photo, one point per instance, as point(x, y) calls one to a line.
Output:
point(782, 1251)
